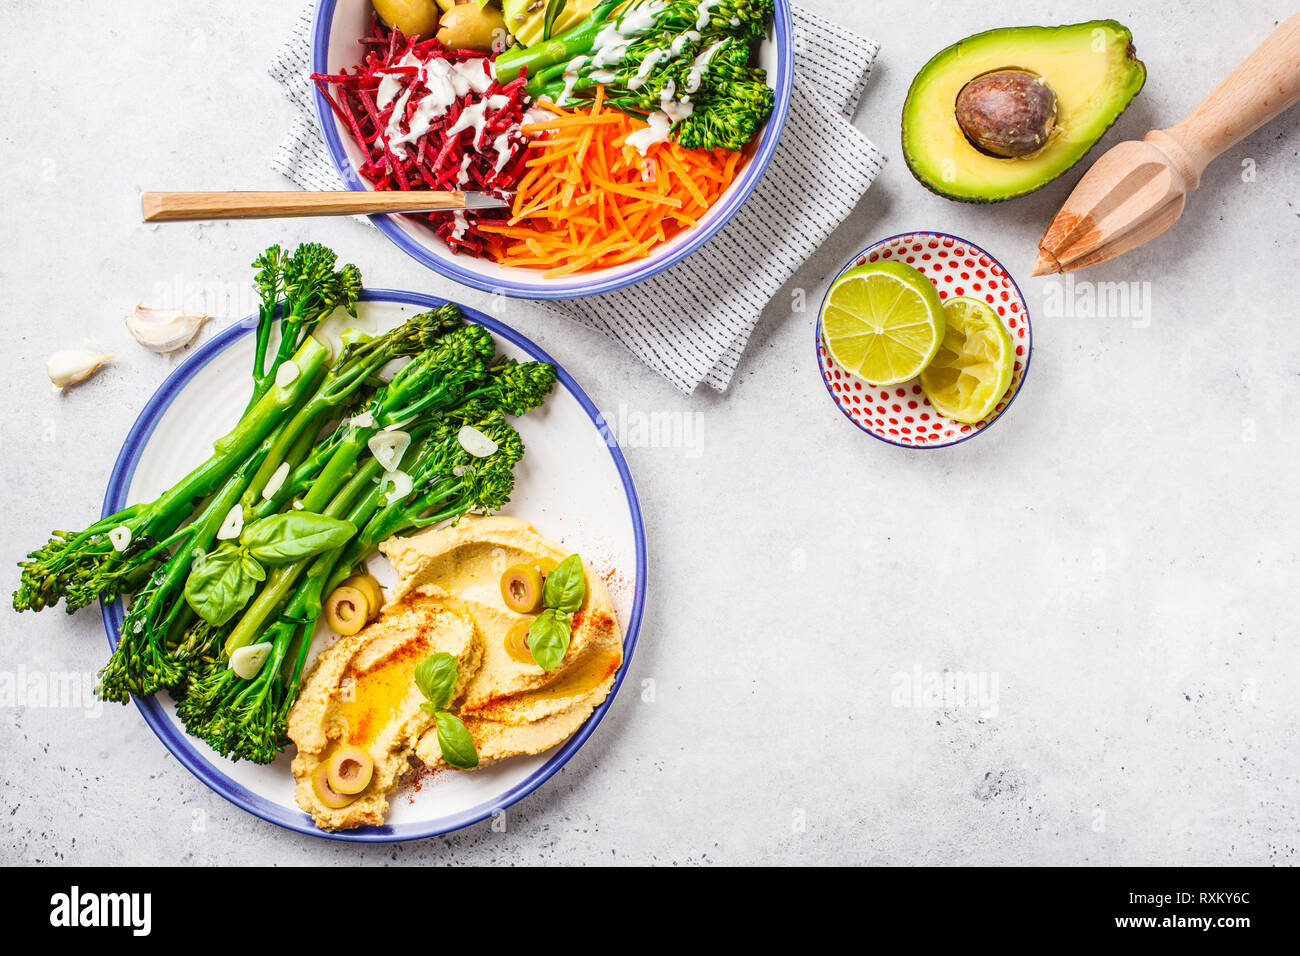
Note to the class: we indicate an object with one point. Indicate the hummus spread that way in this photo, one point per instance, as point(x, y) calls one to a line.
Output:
point(362, 689)
point(362, 693)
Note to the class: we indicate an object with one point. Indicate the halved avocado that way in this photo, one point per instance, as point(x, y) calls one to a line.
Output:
point(1089, 67)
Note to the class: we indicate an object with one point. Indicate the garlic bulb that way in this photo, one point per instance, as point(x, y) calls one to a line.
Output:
point(71, 366)
point(165, 330)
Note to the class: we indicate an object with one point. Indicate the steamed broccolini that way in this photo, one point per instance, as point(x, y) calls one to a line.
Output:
point(689, 60)
point(302, 447)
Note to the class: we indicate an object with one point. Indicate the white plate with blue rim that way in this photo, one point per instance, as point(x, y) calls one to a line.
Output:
point(572, 483)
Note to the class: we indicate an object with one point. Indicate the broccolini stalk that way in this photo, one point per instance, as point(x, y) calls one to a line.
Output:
point(437, 378)
point(729, 119)
point(357, 364)
point(578, 40)
point(142, 662)
point(82, 567)
point(311, 289)
point(248, 719)
point(613, 32)
point(693, 64)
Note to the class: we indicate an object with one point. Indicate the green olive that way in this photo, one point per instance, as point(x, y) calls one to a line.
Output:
point(326, 794)
point(346, 610)
point(521, 588)
point(467, 26)
point(517, 641)
point(369, 586)
point(545, 565)
point(349, 770)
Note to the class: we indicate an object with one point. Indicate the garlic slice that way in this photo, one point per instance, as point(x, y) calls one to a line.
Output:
point(120, 537)
point(286, 373)
point(402, 486)
point(70, 366)
point(165, 330)
point(388, 371)
point(475, 442)
point(233, 525)
point(247, 661)
point(388, 448)
point(276, 481)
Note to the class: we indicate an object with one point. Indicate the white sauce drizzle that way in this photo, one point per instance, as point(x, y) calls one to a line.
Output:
point(690, 36)
point(611, 43)
point(471, 116)
point(643, 71)
point(504, 149)
point(445, 82)
point(700, 64)
point(662, 120)
point(571, 79)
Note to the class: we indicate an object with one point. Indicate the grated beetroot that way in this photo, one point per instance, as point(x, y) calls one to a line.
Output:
point(438, 159)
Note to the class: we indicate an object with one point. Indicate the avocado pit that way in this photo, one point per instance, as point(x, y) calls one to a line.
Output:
point(1008, 113)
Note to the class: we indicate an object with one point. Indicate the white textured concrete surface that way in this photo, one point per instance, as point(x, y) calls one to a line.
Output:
point(1116, 559)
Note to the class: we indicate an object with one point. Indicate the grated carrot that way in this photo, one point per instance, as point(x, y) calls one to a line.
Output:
point(588, 199)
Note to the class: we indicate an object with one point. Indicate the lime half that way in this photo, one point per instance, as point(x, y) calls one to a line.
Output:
point(972, 370)
point(883, 321)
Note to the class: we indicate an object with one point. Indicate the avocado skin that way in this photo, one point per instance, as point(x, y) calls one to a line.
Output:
point(1125, 92)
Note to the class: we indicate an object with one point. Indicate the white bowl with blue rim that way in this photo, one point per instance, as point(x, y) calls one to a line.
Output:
point(341, 23)
point(572, 483)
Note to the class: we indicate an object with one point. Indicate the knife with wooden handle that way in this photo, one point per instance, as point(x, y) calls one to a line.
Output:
point(179, 207)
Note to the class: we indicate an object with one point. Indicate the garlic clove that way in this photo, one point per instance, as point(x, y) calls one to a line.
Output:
point(475, 442)
point(70, 366)
point(165, 330)
point(402, 485)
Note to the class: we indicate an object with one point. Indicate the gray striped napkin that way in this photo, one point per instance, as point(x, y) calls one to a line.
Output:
point(692, 322)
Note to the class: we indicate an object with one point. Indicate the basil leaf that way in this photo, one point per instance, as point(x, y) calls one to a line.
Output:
point(436, 678)
point(566, 585)
point(456, 743)
point(218, 588)
point(548, 637)
point(251, 566)
point(294, 535)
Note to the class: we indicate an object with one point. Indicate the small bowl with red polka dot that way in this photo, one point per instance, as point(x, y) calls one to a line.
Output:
point(901, 414)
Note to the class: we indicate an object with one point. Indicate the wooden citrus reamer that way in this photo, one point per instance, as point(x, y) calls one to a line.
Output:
point(1138, 189)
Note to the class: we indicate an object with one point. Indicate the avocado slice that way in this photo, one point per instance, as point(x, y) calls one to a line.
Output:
point(1089, 67)
point(526, 18)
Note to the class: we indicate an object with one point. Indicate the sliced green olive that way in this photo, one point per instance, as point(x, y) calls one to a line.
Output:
point(349, 770)
point(517, 642)
point(326, 794)
point(545, 565)
point(521, 588)
point(368, 585)
point(347, 610)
